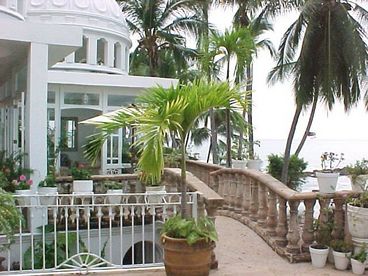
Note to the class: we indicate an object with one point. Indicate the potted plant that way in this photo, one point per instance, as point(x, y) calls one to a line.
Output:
point(254, 162)
point(164, 111)
point(320, 250)
point(238, 158)
point(357, 215)
point(48, 191)
point(196, 241)
point(359, 261)
point(327, 178)
point(82, 183)
point(113, 187)
point(358, 175)
point(341, 253)
point(23, 189)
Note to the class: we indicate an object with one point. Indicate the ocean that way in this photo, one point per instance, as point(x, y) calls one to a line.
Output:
point(313, 148)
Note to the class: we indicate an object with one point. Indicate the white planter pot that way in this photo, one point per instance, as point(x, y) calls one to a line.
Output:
point(358, 267)
point(358, 222)
point(155, 194)
point(239, 164)
point(360, 183)
point(341, 260)
point(48, 195)
point(327, 182)
point(83, 186)
point(254, 164)
point(26, 200)
point(318, 256)
point(114, 199)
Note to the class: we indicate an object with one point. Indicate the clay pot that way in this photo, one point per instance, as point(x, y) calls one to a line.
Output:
point(182, 259)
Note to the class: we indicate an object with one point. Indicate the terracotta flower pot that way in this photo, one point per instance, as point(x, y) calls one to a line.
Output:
point(181, 259)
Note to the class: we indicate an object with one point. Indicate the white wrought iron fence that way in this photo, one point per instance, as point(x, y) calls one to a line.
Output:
point(89, 232)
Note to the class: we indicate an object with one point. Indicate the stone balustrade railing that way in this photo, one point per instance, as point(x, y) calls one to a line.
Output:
point(283, 217)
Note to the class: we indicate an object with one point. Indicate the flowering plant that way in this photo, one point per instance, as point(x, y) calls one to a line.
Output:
point(22, 183)
point(331, 160)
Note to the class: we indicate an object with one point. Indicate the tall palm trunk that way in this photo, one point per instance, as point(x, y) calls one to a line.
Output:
point(285, 167)
point(214, 148)
point(309, 125)
point(249, 86)
point(183, 184)
point(228, 126)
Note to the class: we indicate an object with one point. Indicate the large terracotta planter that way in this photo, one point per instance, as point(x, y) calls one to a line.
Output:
point(358, 222)
point(182, 259)
point(327, 182)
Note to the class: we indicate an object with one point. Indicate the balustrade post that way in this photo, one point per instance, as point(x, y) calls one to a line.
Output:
point(338, 229)
point(246, 196)
point(293, 235)
point(214, 183)
point(281, 229)
point(239, 196)
point(308, 231)
point(254, 200)
point(262, 208)
point(226, 190)
point(232, 192)
point(272, 213)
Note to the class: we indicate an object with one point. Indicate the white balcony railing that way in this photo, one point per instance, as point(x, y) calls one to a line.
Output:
point(84, 233)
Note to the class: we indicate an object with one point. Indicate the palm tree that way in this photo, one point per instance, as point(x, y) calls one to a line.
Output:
point(332, 60)
point(161, 26)
point(160, 112)
point(235, 44)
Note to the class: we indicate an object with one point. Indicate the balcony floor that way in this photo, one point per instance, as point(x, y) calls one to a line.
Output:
point(241, 252)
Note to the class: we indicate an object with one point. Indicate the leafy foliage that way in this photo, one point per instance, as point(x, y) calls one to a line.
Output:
point(296, 170)
point(189, 229)
point(341, 246)
point(362, 255)
point(112, 185)
point(80, 173)
point(49, 181)
point(323, 230)
point(360, 201)
point(10, 217)
point(359, 168)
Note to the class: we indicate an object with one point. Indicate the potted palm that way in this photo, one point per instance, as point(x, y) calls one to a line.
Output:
point(327, 178)
point(114, 191)
point(254, 162)
point(359, 261)
point(82, 183)
point(341, 253)
point(160, 112)
point(359, 175)
point(47, 190)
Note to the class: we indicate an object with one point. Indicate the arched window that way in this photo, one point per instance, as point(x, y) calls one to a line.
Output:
point(127, 59)
point(81, 53)
point(117, 55)
point(102, 52)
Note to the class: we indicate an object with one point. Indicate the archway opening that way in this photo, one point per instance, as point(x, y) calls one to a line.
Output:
point(143, 253)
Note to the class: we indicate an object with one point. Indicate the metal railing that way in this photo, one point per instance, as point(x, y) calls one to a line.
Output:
point(90, 232)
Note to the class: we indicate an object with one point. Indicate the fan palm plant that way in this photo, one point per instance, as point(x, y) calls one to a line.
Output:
point(160, 112)
point(332, 60)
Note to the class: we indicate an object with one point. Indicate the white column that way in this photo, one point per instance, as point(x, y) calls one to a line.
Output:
point(36, 112)
point(109, 61)
point(92, 50)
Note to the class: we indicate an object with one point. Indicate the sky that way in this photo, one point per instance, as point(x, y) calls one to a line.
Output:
point(274, 107)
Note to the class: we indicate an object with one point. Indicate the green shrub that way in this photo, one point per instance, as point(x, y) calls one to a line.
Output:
point(297, 166)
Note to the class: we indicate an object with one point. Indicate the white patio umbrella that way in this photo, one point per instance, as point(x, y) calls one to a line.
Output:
point(104, 118)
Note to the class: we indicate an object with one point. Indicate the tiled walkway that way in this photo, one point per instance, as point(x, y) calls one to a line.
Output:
point(241, 252)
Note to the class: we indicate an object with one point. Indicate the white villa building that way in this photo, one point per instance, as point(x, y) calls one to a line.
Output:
point(62, 62)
